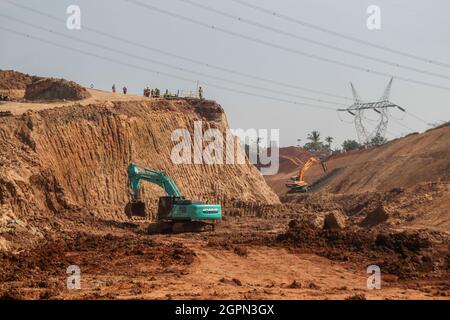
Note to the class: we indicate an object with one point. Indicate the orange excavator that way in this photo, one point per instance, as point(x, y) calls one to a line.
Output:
point(298, 184)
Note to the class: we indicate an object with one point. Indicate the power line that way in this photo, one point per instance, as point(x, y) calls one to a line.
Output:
point(127, 54)
point(140, 68)
point(287, 49)
point(124, 40)
point(85, 27)
point(121, 63)
point(341, 35)
point(418, 118)
point(401, 124)
point(187, 59)
point(399, 119)
point(318, 43)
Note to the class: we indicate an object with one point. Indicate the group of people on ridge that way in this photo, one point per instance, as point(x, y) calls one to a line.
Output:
point(156, 93)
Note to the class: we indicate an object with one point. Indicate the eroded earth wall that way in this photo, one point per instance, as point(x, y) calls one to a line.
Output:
point(75, 158)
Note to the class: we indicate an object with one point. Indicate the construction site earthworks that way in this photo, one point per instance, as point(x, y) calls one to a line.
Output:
point(88, 186)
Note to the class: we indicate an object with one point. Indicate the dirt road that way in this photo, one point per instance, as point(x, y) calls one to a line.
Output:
point(97, 97)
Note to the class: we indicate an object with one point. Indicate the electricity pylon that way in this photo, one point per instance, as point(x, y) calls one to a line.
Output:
point(359, 108)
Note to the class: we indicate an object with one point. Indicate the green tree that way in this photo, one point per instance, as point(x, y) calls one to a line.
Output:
point(329, 141)
point(378, 140)
point(314, 143)
point(314, 136)
point(349, 145)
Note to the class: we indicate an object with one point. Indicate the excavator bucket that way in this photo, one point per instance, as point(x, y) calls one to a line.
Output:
point(135, 209)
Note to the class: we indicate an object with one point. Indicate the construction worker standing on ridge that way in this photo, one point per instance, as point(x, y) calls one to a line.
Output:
point(200, 93)
point(124, 90)
point(114, 88)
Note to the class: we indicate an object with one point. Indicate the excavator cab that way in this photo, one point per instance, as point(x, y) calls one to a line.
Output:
point(165, 206)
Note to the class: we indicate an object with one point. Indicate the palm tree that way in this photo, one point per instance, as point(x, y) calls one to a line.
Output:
point(315, 144)
point(329, 140)
point(314, 136)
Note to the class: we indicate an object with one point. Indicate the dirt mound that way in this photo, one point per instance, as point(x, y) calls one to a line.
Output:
point(16, 86)
point(399, 163)
point(402, 163)
point(403, 242)
point(13, 83)
point(44, 267)
point(49, 89)
point(10, 80)
point(208, 109)
point(406, 254)
point(375, 217)
point(334, 220)
point(423, 206)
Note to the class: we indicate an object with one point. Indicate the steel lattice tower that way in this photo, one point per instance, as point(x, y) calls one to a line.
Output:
point(359, 108)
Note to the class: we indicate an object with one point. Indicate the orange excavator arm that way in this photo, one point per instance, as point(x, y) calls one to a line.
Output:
point(311, 161)
point(298, 184)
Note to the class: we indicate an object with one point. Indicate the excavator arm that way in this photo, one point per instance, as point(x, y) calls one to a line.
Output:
point(137, 174)
point(311, 161)
point(298, 183)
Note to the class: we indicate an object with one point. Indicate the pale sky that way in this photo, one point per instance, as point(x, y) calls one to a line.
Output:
point(417, 27)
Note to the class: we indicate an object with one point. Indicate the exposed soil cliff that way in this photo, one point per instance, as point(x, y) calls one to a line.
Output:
point(74, 159)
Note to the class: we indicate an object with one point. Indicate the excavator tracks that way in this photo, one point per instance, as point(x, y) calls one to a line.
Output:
point(174, 227)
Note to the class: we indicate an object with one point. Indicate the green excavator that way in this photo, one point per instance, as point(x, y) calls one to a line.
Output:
point(176, 214)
